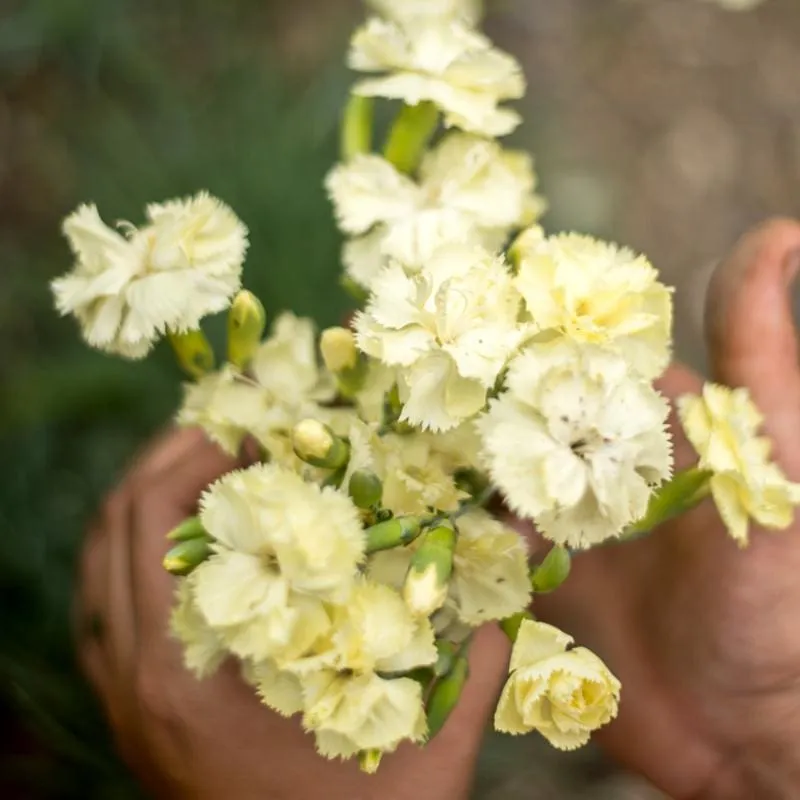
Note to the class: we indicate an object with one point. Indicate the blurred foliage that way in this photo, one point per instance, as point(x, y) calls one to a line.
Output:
point(120, 102)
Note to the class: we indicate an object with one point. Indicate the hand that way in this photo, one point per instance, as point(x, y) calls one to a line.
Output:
point(703, 635)
point(214, 739)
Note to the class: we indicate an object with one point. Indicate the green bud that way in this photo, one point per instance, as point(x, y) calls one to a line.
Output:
point(365, 488)
point(357, 122)
point(193, 352)
point(428, 578)
point(354, 289)
point(687, 489)
point(392, 533)
point(316, 444)
point(369, 761)
point(553, 570)
point(190, 528)
point(246, 322)
point(412, 130)
point(447, 655)
point(445, 696)
point(343, 359)
point(185, 556)
point(511, 625)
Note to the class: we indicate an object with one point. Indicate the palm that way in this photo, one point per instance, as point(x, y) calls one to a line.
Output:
point(701, 633)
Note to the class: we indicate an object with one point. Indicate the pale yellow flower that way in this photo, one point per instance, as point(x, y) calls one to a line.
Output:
point(469, 190)
point(423, 11)
point(128, 290)
point(452, 326)
point(279, 690)
point(203, 648)
point(593, 292)
point(577, 443)
point(445, 62)
point(563, 694)
point(490, 571)
point(362, 711)
point(284, 548)
point(722, 426)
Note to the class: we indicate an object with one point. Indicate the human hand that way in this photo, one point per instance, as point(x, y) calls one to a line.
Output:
point(210, 739)
point(703, 635)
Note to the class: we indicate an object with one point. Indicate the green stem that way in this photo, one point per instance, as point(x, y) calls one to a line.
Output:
point(357, 124)
point(412, 131)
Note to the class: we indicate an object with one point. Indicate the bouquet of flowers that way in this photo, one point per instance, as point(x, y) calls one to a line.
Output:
point(490, 367)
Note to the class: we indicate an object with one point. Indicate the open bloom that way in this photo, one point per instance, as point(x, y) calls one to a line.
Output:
point(203, 648)
point(362, 711)
point(285, 386)
point(594, 292)
point(564, 694)
point(445, 62)
point(722, 426)
point(127, 290)
point(283, 547)
point(423, 11)
point(469, 190)
point(452, 326)
point(577, 443)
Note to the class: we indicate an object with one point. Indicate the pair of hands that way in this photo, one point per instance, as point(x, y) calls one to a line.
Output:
point(701, 634)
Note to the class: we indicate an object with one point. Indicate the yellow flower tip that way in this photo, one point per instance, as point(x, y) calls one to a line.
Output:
point(187, 555)
point(369, 761)
point(316, 444)
point(338, 348)
point(246, 322)
point(423, 592)
point(563, 694)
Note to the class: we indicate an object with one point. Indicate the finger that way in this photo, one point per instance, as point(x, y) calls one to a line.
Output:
point(750, 325)
point(164, 502)
point(166, 449)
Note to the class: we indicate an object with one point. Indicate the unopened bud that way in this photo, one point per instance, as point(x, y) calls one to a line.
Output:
point(365, 488)
point(186, 556)
point(316, 444)
point(445, 696)
point(369, 761)
point(447, 654)
point(193, 352)
point(553, 570)
point(409, 136)
point(392, 533)
point(190, 528)
point(338, 348)
point(246, 322)
point(428, 579)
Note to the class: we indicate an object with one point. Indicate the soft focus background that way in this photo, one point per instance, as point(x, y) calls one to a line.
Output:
point(669, 125)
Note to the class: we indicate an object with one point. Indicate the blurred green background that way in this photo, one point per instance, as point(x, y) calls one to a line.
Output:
point(666, 124)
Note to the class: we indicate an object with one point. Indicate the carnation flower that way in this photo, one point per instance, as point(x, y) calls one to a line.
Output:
point(447, 63)
point(283, 547)
point(354, 712)
point(452, 326)
point(563, 694)
point(127, 290)
point(203, 648)
point(469, 190)
point(425, 11)
point(278, 689)
point(577, 443)
point(722, 426)
point(490, 571)
point(595, 292)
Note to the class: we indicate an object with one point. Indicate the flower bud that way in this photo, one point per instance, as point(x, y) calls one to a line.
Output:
point(553, 570)
point(392, 533)
point(369, 761)
point(316, 444)
point(365, 488)
point(193, 352)
point(428, 578)
point(447, 654)
point(445, 696)
point(190, 528)
point(246, 322)
point(185, 556)
point(338, 348)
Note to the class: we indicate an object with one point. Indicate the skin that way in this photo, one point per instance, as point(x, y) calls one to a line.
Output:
point(701, 633)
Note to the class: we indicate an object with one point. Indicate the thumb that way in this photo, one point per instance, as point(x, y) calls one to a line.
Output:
point(750, 326)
